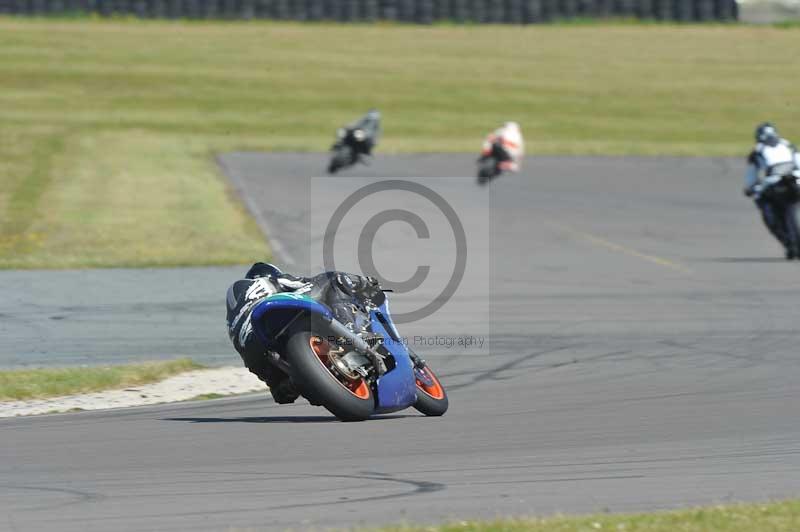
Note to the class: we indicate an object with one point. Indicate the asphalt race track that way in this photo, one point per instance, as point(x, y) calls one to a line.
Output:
point(61, 318)
point(641, 353)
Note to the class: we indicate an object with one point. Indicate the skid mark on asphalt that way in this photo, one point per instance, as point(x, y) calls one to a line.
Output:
point(546, 480)
point(419, 487)
point(74, 496)
point(531, 369)
point(493, 372)
point(622, 467)
point(666, 263)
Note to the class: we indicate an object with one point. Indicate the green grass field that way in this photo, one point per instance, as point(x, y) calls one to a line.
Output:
point(766, 517)
point(108, 128)
point(22, 384)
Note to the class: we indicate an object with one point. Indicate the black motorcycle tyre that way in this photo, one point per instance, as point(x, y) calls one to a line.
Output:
point(342, 157)
point(429, 405)
point(487, 170)
point(316, 383)
point(792, 221)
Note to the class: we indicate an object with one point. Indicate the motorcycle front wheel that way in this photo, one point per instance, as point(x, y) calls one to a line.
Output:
point(314, 373)
point(342, 157)
point(793, 229)
point(431, 396)
point(487, 169)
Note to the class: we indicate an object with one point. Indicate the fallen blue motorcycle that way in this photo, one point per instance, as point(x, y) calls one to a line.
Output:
point(354, 371)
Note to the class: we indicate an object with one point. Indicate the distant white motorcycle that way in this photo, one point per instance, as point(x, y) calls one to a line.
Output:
point(502, 151)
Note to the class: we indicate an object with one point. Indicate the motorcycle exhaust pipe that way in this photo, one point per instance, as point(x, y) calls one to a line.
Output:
point(358, 343)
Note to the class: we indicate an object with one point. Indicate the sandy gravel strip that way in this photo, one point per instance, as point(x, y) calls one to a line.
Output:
point(222, 381)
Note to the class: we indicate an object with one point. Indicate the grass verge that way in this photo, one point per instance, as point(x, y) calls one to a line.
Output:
point(108, 128)
point(16, 385)
point(207, 397)
point(772, 517)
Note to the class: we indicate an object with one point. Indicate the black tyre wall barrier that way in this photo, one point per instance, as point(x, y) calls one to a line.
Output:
point(514, 12)
point(412, 11)
point(459, 11)
point(532, 11)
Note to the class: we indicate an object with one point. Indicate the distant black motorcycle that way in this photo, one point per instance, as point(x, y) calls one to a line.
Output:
point(354, 143)
point(784, 196)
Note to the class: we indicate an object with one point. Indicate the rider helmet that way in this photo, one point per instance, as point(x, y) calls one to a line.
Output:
point(360, 287)
point(349, 284)
point(766, 133)
point(262, 269)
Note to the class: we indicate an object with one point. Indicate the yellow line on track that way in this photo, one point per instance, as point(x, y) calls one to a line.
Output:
point(622, 249)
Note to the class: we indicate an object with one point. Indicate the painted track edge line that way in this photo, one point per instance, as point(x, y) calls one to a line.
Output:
point(666, 263)
point(266, 230)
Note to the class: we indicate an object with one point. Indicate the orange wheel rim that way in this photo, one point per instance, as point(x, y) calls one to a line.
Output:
point(434, 389)
point(322, 349)
point(361, 390)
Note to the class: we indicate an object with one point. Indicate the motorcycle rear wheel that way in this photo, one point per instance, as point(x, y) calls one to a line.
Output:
point(320, 383)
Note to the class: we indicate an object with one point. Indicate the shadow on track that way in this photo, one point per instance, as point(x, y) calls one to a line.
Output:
point(272, 419)
point(743, 260)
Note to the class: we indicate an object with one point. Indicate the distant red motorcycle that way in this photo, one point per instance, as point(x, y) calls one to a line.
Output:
point(502, 152)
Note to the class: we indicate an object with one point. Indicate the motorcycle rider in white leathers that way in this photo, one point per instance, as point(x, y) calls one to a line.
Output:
point(509, 138)
point(772, 158)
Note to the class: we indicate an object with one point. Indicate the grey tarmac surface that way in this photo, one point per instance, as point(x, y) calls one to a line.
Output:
point(642, 353)
point(68, 318)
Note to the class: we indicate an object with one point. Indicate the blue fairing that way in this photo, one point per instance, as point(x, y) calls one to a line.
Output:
point(397, 388)
point(281, 308)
